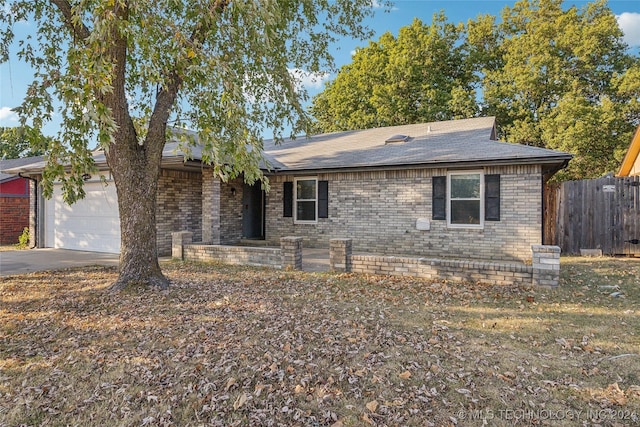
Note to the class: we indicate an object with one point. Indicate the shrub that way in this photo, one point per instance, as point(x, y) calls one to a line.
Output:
point(23, 240)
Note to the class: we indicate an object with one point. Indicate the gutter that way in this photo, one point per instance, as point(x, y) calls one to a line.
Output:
point(35, 207)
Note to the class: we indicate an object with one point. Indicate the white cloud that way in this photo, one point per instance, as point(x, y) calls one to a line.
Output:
point(375, 4)
point(8, 115)
point(630, 24)
point(308, 79)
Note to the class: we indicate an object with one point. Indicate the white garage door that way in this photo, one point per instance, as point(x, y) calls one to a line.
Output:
point(91, 224)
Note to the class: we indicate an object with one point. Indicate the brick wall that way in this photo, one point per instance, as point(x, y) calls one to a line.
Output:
point(14, 217)
point(265, 257)
point(378, 211)
point(179, 206)
point(231, 208)
point(288, 256)
point(443, 269)
point(543, 271)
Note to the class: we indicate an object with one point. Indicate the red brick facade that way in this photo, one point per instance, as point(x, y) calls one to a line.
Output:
point(14, 217)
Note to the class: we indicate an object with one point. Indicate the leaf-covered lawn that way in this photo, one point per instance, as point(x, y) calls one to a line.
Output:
point(244, 346)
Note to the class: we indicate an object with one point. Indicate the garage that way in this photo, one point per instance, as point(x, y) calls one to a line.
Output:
point(91, 224)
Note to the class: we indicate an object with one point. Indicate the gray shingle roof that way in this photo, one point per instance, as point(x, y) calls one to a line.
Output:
point(470, 141)
point(436, 144)
point(16, 163)
point(170, 153)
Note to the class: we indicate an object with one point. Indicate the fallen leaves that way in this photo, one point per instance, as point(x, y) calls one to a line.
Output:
point(372, 406)
point(231, 346)
point(240, 401)
point(405, 375)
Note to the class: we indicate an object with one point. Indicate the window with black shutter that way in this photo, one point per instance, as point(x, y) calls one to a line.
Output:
point(456, 198)
point(439, 197)
point(492, 197)
point(323, 199)
point(287, 200)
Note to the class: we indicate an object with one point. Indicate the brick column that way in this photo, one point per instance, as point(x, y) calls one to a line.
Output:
point(340, 254)
point(210, 208)
point(178, 240)
point(33, 220)
point(546, 265)
point(291, 252)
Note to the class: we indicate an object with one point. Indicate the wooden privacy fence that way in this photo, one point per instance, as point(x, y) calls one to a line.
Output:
point(601, 213)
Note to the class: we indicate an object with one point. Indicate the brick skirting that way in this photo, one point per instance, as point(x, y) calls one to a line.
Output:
point(544, 271)
point(288, 256)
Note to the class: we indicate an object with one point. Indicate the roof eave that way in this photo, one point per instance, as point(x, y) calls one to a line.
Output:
point(555, 163)
point(631, 156)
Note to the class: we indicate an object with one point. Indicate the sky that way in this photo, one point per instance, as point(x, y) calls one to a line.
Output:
point(15, 75)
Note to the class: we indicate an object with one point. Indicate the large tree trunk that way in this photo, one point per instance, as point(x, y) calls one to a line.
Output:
point(136, 169)
point(136, 174)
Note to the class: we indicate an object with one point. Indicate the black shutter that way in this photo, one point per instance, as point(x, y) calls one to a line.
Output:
point(439, 198)
point(323, 199)
point(492, 197)
point(287, 200)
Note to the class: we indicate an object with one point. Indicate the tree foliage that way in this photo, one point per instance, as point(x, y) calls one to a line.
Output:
point(122, 70)
point(558, 84)
point(554, 77)
point(421, 75)
point(22, 141)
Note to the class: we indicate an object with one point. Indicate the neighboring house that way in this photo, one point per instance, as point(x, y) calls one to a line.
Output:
point(435, 189)
point(14, 200)
point(631, 162)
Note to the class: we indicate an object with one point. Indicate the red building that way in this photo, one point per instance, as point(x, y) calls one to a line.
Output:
point(14, 201)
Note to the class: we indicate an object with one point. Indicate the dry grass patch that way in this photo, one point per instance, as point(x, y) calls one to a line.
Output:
point(16, 247)
point(242, 346)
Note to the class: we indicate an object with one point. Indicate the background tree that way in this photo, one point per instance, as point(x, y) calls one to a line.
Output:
point(123, 69)
point(555, 80)
point(22, 141)
point(422, 75)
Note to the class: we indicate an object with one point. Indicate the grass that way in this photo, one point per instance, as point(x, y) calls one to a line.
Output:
point(244, 346)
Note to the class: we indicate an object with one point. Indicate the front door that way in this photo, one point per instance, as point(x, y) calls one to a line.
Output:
point(253, 211)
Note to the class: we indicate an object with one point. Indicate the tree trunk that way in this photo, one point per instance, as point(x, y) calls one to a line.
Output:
point(136, 174)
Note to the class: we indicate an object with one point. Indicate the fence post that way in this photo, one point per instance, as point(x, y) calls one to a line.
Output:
point(178, 240)
point(546, 265)
point(340, 254)
point(291, 252)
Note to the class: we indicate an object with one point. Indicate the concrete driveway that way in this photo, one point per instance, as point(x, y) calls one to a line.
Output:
point(27, 261)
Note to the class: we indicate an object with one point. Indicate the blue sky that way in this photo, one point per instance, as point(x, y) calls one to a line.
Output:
point(15, 76)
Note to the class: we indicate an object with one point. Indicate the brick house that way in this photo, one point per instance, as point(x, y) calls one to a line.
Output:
point(14, 201)
point(443, 188)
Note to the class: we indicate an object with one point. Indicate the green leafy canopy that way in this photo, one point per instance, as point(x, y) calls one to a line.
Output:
point(222, 68)
point(554, 76)
point(22, 141)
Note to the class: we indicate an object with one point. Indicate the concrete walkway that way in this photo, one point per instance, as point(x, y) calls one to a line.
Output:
point(315, 260)
point(27, 261)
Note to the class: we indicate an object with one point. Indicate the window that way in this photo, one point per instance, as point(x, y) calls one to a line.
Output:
point(306, 200)
point(465, 195)
point(305, 211)
point(466, 198)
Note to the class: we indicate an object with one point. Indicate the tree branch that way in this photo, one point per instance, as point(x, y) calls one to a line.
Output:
point(167, 95)
point(79, 30)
